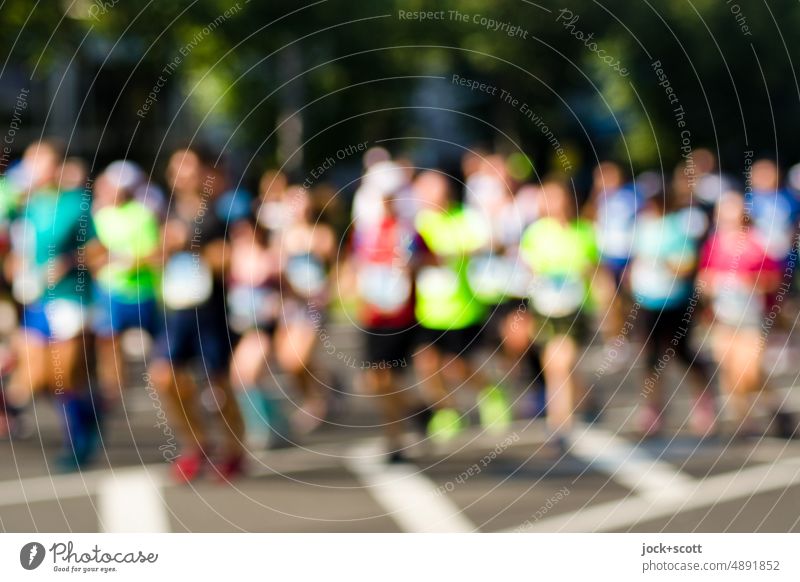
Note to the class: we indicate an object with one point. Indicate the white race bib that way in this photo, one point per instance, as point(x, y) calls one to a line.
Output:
point(306, 275)
point(738, 305)
point(440, 282)
point(383, 287)
point(187, 281)
point(557, 296)
point(492, 278)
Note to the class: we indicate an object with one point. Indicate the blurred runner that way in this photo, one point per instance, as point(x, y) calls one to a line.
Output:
point(773, 210)
point(662, 272)
point(384, 280)
point(738, 276)
point(450, 316)
point(52, 247)
point(306, 249)
point(195, 328)
point(710, 183)
point(561, 250)
point(615, 206)
point(499, 278)
point(253, 298)
point(125, 290)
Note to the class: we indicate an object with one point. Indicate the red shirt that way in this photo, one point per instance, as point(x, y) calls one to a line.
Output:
point(385, 279)
point(740, 254)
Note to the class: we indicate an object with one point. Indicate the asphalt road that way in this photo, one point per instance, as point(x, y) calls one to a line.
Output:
point(336, 479)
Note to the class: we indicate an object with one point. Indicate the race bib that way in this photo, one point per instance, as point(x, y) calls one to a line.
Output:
point(29, 282)
point(491, 278)
point(652, 279)
point(28, 285)
point(384, 288)
point(187, 281)
point(306, 275)
point(65, 318)
point(554, 296)
point(438, 282)
point(738, 305)
point(250, 307)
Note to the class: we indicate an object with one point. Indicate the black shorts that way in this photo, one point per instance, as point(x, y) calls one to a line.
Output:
point(665, 334)
point(493, 329)
point(388, 346)
point(190, 334)
point(572, 326)
point(454, 342)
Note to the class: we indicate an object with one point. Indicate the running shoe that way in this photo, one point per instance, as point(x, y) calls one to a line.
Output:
point(786, 426)
point(445, 425)
point(494, 409)
point(265, 424)
point(230, 468)
point(650, 420)
point(420, 418)
point(704, 415)
point(397, 458)
point(189, 467)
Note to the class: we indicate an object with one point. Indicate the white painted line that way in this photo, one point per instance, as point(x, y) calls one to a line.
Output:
point(624, 513)
point(410, 498)
point(629, 466)
point(49, 488)
point(130, 501)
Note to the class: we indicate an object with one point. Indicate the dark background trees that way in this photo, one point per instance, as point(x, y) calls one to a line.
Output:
point(284, 82)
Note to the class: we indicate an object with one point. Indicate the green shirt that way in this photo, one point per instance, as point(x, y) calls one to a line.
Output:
point(55, 227)
point(444, 299)
point(560, 257)
point(129, 233)
point(552, 248)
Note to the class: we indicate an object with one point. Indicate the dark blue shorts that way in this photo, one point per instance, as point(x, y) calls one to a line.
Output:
point(112, 316)
point(194, 335)
point(55, 320)
point(617, 268)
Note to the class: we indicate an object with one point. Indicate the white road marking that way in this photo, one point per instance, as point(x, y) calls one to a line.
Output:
point(629, 466)
point(634, 509)
point(410, 498)
point(36, 489)
point(131, 501)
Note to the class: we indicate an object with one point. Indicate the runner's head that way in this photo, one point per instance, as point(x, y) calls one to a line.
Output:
point(299, 205)
point(704, 160)
point(764, 176)
point(432, 189)
point(731, 215)
point(123, 179)
point(272, 185)
point(192, 171)
point(73, 175)
point(558, 201)
point(472, 161)
point(684, 180)
point(607, 177)
point(42, 161)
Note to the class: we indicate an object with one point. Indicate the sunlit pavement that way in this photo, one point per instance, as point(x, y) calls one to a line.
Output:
point(337, 480)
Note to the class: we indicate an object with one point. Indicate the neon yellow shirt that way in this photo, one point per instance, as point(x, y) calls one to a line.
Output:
point(552, 248)
point(130, 233)
point(444, 299)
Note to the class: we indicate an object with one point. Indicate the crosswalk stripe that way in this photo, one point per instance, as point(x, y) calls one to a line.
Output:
point(130, 501)
point(623, 513)
point(410, 498)
point(629, 466)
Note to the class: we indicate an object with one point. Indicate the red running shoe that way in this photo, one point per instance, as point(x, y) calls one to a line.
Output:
point(650, 421)
point(704, 415)
point(230, 468)
point(189, 467)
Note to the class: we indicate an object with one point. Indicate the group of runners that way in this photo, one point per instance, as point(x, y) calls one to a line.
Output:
point(475, 295)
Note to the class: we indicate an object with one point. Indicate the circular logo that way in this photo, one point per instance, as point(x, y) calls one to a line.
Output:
point(31, 555)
